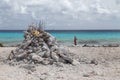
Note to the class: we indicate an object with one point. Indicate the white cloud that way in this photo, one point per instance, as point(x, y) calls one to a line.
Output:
point(62, 12)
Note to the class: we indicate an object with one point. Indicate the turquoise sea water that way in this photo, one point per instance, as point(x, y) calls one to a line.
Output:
point(66, 37)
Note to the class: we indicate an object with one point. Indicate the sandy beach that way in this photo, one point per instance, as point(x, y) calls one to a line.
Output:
point(93, 63)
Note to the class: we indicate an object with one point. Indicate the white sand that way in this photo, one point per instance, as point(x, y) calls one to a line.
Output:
point(108, 67)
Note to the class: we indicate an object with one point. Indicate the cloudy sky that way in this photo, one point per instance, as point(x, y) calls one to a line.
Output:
point(60, 14)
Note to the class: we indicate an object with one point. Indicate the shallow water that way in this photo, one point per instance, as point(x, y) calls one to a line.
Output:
point(66, 37)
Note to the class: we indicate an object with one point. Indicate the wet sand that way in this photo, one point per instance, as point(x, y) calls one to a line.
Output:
point(93, 63)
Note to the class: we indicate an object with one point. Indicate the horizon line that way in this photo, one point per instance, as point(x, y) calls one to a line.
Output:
point(64, 29)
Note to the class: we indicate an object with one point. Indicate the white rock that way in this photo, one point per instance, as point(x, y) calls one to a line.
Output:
point(54, 56)
point(75, 62)
point(36, 57)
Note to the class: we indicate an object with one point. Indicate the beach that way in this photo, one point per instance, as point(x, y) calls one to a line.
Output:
point(60, 40)
point(93, 63)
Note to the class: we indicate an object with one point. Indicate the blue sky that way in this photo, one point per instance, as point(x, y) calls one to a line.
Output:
point(60, 14)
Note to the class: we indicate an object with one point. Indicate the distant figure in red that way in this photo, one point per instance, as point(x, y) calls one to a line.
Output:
point(75, 40)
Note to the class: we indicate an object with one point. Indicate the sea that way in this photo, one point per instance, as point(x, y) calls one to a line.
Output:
point(66, 37)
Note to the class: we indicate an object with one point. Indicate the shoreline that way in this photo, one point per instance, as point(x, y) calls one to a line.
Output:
point(82, 45)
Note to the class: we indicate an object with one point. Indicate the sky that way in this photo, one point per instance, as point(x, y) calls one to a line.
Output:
point(60, 14)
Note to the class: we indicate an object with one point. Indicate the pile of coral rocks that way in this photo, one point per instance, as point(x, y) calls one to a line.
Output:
point(39, 47)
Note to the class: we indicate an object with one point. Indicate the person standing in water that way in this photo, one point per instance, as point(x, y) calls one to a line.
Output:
point(75, 40)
